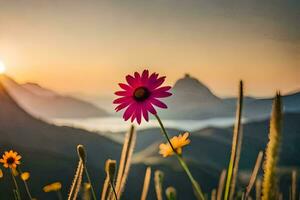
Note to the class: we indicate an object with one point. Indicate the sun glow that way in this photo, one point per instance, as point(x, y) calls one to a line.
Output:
point(2, 67)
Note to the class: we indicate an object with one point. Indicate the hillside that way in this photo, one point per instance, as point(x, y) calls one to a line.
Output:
point(49, 152)
point(47, 104)
point(209, 151)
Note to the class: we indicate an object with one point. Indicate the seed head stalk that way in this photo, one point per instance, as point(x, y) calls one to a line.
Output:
point(183, 164)
point(16, 185)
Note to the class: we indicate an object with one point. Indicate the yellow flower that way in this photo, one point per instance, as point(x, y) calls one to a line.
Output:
point(52, 187)
point(10, 159)
point(177, 142)
point(1, 173)
point(87, 186)
point(25, 176)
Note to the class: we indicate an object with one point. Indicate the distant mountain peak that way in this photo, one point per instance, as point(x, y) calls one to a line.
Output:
point(191, 84)
point(37, 89)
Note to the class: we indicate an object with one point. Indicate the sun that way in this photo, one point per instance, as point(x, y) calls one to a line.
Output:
point(2, 67)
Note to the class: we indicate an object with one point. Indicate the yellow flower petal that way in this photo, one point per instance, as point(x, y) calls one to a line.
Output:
point(177, 142)
point(56, 186)
point(52, 187)
point(25, 176)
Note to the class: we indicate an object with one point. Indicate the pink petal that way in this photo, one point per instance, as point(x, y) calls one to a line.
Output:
point(145, 114)
point(150, 108)
point(123, 93)
point(153, 78)
point(137, 76)
point(125, 87)
point(158, 82)
point(162, 89)
point(145, 76)
point(122, 100)
point(138, 114)
point(129, 111)
point(161, 94)
point(132, 117)
point(121, 106)
point(130, 80)
point(158, 103)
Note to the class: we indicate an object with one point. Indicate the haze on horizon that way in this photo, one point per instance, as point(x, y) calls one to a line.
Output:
point(75, 46)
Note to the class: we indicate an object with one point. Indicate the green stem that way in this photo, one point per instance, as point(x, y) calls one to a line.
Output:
point(59, 195)
point(183, 164)
point(89, 180)
point(26, 185)
point(16, 185)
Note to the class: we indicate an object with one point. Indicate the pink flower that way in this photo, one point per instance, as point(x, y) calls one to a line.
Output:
point(140, 95)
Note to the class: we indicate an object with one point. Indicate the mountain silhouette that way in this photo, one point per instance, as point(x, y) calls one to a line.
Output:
point(48, 151)
point(193, 100)
point(47, 104)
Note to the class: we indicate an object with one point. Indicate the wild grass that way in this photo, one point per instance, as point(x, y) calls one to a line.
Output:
point(146, 183)
point(254, 174)
point(125, 161)
point(116, 176)
point(294, 185)
point(76, 181)
point(158, 181)
point(270, 180)
point(171, 193)
point(235, 149)
point(221, 185)
point(258, 189)
point(108, 187)
point(214, 194)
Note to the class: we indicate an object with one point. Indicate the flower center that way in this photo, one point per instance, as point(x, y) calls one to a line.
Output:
point(10, 160)
point(141, 94)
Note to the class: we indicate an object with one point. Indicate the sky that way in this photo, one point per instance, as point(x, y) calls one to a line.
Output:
point(88, 46)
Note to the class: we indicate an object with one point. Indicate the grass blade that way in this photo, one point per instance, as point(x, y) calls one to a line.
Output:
point(258, 189)
point(294, 185)
point(254, 174)
point(158, 181)
point(235, 145)
point(214, 194)
point(221, 184)
point(146, 183)
point(125, 161)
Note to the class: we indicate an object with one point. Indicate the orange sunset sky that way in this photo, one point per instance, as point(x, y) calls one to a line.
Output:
point(87, 47)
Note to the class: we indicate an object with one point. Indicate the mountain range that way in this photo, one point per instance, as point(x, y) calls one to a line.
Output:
point(192, 99)
point(47, 104)
point(49, 152)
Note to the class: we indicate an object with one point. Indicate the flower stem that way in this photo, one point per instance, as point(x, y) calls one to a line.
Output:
point(165, 132)
point(183, 164)
point(26, 185)
point(59, 195)
point(16, 185)
point(89, 180)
